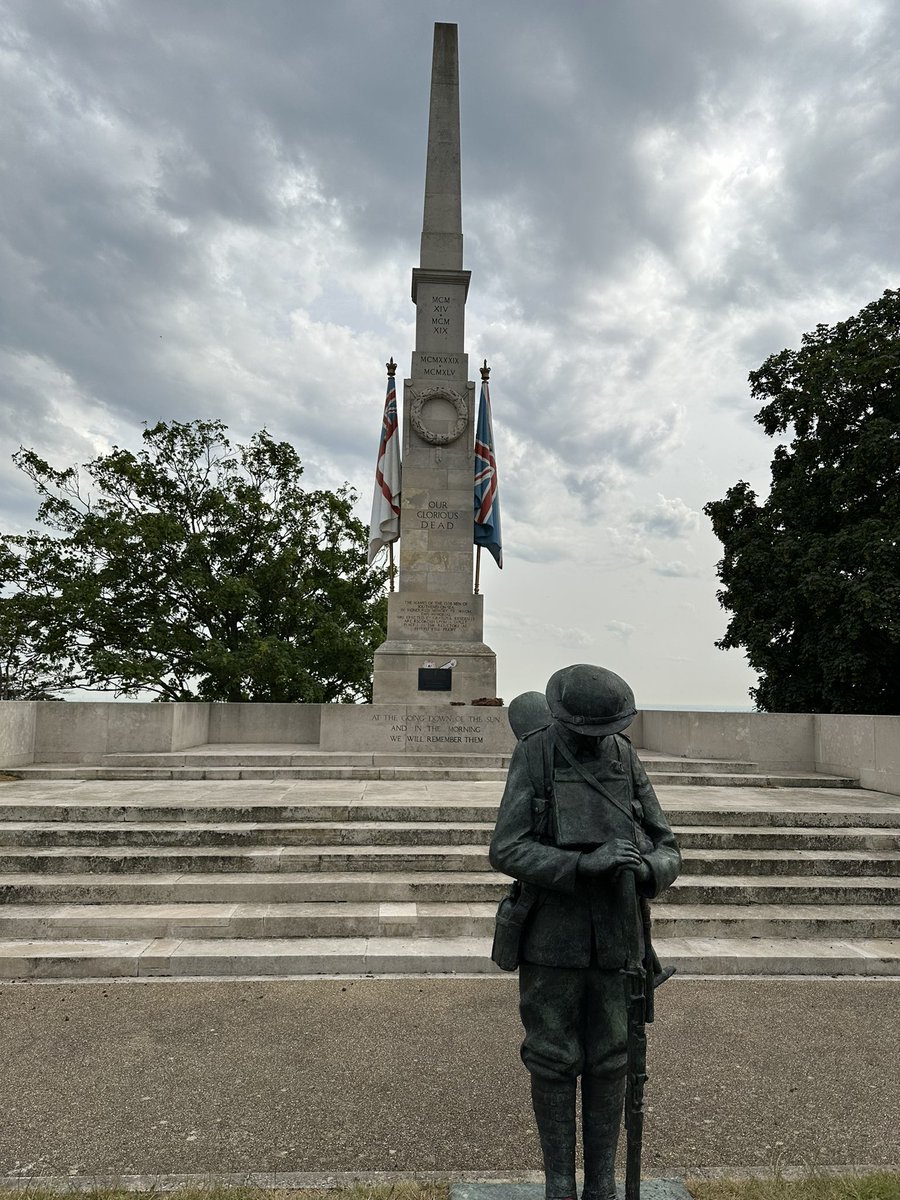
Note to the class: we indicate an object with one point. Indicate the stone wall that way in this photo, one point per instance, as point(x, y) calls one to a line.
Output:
point(83, 731)
point(866, 748)
point(297, 723)
point(773, 739)
point(17, 722)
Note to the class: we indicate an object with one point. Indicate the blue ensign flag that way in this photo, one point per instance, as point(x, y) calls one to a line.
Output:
point(487, 500)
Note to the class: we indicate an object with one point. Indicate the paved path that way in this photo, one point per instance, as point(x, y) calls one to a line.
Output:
point(423, 1075)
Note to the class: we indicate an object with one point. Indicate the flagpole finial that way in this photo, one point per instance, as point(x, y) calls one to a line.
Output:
point(391, 367)
point(485, 372)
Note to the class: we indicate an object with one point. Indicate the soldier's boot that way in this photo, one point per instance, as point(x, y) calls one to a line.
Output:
point(554, 1111)
point(602, 1101)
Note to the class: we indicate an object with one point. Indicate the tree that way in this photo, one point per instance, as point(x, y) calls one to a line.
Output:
point(812, 575)
point(196, 570)
point(29, 668)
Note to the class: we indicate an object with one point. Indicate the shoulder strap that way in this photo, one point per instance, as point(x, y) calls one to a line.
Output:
point(538, 755)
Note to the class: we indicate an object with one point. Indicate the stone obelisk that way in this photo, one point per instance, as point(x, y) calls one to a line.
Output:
point(435, 652)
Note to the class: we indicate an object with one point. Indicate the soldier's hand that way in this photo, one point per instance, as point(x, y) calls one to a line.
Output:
point(642, 872)
point(614, 855)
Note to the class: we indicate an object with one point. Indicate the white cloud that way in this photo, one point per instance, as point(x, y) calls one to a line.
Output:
point(667, 518)
point(673, 570)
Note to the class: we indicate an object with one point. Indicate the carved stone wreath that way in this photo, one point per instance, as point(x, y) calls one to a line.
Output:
point(420, 399)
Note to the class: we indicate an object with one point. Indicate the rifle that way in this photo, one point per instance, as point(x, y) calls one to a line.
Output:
point(637, 988)
point(640, 983)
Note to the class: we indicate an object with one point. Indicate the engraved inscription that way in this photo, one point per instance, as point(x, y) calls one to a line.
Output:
point(437, 516)
point(440, 314)
point(436, 616)
point(438, 365)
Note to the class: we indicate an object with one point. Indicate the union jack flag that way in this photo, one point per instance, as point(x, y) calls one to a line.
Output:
point(487, 501)
point(385, 523)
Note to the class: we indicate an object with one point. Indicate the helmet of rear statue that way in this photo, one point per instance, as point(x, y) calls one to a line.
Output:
point(528, 712)
point(590, 700)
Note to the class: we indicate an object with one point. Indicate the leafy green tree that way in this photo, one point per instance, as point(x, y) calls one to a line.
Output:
point(198, 570)
point(30, 669)
point(812, 575)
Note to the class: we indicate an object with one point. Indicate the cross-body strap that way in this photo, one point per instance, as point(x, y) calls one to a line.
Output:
point(587, 776)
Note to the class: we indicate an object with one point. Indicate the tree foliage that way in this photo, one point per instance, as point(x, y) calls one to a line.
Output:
point(812, 575)
point(29, 668)
point(195, 569)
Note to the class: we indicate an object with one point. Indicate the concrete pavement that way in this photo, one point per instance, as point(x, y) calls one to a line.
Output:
point(423, 1075)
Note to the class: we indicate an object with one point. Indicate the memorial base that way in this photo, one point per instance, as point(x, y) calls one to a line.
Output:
point(428, 632)
point(400, 667)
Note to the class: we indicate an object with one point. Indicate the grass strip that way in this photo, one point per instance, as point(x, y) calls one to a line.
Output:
point(880, 1185)
point(401, 1190)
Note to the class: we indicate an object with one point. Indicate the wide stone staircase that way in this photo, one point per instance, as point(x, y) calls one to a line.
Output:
point(279, 761)
point(262, 872)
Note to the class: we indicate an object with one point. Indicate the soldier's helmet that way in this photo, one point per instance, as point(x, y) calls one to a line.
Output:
point(590, 700)
point(528, 712)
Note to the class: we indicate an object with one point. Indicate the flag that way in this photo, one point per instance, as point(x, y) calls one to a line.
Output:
point(385, 524)
point(487, 502)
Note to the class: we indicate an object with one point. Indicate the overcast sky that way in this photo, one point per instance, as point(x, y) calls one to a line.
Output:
point(211, 208)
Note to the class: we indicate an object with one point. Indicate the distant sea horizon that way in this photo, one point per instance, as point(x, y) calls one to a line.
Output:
point(747, 708)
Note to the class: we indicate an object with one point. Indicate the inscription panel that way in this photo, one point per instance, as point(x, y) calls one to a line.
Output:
point(437, 619)
point(439, 366)
point(417, 727)
point(440, 318)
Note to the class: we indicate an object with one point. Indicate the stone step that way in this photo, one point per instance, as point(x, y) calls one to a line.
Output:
point(355, 887)
point(785, 837)
point(207, 756)
point(40, 834)
point(301, 755)
point(255, 888)
point(210, 756)
point(268, 957)
point(776, 920)
point(77, 771)
point(771, 779)
point(310, 919)
point(135, 860)
point(243, 835)
point(791, 862)
point(784, 890)
point(333, 919)
point(854, 811)
point(716, 777)
point(315, 858)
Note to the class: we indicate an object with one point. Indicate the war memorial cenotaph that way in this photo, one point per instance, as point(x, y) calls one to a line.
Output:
point(435, 616)
point(434, 662)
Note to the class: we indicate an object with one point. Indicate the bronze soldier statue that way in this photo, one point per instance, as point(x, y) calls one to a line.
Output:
point(581, 828)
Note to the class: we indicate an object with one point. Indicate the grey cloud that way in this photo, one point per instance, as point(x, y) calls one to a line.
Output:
point(523, 626)
point(674, 569)
point(670, 518)
point(190, 177)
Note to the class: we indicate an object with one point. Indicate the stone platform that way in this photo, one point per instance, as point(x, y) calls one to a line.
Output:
point(292, 877)
point(651, 1189)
